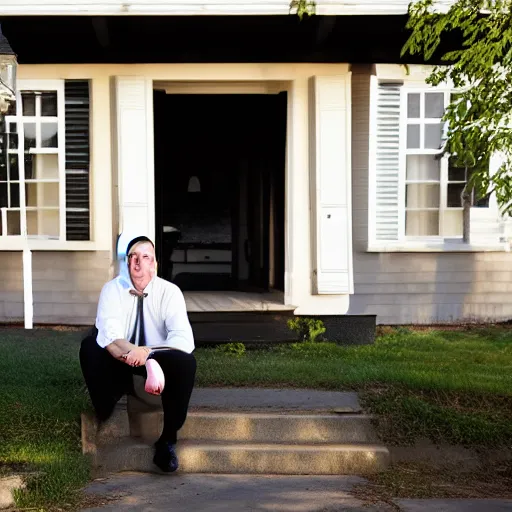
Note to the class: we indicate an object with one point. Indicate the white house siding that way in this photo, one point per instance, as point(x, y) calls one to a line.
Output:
point(66, 286)
point(417, 287)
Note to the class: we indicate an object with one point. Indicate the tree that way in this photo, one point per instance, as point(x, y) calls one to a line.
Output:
point(479, 118)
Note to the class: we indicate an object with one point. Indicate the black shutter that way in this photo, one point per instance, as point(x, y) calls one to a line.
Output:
point(77, 160)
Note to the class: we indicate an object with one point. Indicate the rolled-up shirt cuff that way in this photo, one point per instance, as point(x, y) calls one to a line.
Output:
point(104, 339)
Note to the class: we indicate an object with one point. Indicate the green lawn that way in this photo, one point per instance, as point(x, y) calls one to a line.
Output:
point(452, 386)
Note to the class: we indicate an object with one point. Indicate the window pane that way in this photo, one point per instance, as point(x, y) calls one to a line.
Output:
point(43, 167)
point(15, 195)
point(43, 223)
point(413, 105)
point(28, 100)
point(423, 167)
point(456, 173)
point(422, 196)
point(14, 174)
point(433, 133)
point(422, 223)
point(13, 141)
point(3, 195)
point(49, 104)
point(12, 137)
point(30, 167)
point(49, 135)
point(3, 167)
point(434, 105)
point(413, 136)
point(13, 223)
point(454, 195)
point(482, 202)
point(42, 194)
point(30, 135)
point(452, 223)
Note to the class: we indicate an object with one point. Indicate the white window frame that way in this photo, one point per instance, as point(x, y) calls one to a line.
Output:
point(422, 121)
point(413, 80)
point(18, 242)
point(36, 86)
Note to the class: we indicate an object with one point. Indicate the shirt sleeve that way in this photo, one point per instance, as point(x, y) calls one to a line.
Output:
point(109, 318)
point(179, 331)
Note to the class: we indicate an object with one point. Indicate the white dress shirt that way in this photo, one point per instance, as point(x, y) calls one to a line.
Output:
point(166, 321)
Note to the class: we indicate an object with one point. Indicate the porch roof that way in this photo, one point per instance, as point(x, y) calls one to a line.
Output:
point(208, 39)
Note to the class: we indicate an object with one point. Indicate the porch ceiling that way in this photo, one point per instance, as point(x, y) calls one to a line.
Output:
point(195, 39)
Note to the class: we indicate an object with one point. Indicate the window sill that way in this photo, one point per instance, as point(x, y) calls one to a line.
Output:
point(437, 247)
point(16, 243)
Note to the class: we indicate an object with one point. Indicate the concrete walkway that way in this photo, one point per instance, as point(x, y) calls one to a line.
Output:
point(138, 492)
point(238, 493)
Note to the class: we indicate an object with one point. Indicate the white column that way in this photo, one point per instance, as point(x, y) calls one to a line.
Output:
point(297, 243)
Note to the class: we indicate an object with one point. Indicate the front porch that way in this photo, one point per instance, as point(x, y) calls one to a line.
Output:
point(233, 301)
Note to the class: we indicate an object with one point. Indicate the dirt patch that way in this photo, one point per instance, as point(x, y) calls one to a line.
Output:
point(426, 470)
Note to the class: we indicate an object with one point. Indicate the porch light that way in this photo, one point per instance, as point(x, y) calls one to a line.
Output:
point(194, 185)
point(8, 65)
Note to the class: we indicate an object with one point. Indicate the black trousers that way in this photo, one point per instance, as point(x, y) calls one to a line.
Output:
point(108, 379)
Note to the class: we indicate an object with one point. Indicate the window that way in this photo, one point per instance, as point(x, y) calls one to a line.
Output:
point(44, 162)
point(34, 165)
point(416, 190)
point(433, 200)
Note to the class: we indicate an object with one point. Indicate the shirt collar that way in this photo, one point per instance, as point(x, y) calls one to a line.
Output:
point(126, 282)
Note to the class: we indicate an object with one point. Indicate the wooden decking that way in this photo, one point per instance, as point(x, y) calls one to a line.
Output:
point(201, 302)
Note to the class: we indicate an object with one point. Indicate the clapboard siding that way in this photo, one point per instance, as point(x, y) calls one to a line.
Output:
point(422, 288)
point(66, 286)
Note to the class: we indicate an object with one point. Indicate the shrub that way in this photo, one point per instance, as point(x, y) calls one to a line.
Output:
point(233, 349)
point(307, 329)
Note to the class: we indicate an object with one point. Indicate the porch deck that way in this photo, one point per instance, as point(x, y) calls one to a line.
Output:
point(230, 301)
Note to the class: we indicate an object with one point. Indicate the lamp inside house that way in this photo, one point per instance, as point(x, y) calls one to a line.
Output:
point(194, 185)
point(8, 65)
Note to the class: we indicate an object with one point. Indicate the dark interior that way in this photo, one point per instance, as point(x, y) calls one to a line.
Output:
point(219, 178)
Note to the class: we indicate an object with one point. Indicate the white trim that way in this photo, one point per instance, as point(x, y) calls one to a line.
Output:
point(437, 247)
point(198, 7)
point(372, 158)
point(61, 145)
point(150, 153)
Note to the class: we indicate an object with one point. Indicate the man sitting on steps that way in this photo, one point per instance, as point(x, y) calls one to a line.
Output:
point(149, 312)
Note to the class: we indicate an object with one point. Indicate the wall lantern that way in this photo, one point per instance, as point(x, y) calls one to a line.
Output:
point(8, 65)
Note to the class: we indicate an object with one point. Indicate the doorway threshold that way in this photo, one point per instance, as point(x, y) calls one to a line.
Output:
point(201, 302)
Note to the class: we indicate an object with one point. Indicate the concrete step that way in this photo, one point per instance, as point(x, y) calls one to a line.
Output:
point(249, 458)
point(260, 427)
point(263, 400)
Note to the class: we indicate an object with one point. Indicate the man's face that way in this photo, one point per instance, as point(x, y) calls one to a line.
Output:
point(141, 261)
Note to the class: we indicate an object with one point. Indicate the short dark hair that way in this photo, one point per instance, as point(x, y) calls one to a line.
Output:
point(136, 241)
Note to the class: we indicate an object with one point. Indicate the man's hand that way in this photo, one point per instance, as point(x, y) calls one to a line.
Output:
point(137, 356)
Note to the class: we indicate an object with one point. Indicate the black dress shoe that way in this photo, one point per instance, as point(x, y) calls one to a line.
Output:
point(165, 456)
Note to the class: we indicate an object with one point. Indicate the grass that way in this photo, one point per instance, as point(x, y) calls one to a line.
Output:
point(41, 398)
point(448, 386)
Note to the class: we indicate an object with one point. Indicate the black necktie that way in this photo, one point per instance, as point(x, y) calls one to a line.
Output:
point(139, 321)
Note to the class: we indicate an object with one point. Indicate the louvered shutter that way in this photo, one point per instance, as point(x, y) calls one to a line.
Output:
point(385, 162)
point(331, 185)
point(77, 110)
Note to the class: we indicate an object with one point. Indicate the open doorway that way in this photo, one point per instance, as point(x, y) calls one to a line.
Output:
point(219, 185)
